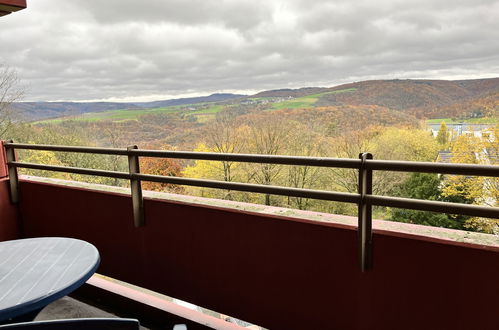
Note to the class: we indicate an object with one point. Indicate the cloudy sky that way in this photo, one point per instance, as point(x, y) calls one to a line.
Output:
point(123, 50)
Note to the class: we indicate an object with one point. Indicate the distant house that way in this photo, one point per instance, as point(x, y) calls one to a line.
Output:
point(455, 130)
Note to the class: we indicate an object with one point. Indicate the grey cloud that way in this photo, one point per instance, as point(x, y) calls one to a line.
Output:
point(233, 14)
point(90, 49)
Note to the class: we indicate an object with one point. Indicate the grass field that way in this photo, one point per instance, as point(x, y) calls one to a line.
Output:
point(133, 114)
point(203, 111)
point(306, 101)
point(485, 120)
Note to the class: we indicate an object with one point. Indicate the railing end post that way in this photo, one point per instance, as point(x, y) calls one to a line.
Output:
point(136, 188)
point(13, 176)
point(365, 214)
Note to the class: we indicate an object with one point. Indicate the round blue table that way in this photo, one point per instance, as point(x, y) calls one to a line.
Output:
point(37, 271)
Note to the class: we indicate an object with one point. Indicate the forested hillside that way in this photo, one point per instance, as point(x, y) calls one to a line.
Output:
point(386, 118)
point(409, 94)
point(425, 99)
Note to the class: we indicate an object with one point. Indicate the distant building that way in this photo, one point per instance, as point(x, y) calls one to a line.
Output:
point(455, 130)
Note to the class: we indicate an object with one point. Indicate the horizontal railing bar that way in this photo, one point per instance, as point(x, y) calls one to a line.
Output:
point(47, 147)
point(275, 190)
point(434, 206)
point(76, 170)
point(380, 165)
point(249, 158)
point(427, 167)
point(256, 188)
point(253, 158)
point(398, 202)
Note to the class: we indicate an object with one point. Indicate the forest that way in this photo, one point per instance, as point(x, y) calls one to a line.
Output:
point(308, 122)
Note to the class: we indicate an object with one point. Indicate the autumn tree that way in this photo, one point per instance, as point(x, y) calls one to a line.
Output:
point(43, 157)
point(163, 167)
point(478, 190)
point(224, 135)
point(32, 134)
point(388, 143)
point(268, 135)
point(443, 134)
point(10, 92)
point(214, 170)
point(306, 139)
point(114, 138)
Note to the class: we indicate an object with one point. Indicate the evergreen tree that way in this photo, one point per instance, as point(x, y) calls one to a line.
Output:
point(427, 186)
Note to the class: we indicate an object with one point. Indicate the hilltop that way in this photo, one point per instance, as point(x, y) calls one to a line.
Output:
point(422, 99)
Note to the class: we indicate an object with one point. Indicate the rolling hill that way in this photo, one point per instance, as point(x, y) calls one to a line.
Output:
point(35, 111)
point(424, 99)
point(410, 94)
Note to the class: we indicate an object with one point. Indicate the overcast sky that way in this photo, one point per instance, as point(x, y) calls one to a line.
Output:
point(123, 50)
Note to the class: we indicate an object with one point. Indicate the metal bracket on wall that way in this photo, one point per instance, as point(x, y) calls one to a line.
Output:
point(13, 177)
point(365, 214)
point(136, 189)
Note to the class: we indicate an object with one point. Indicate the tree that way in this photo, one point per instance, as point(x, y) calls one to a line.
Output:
point(164, 167)
point(426, 186)
point(43, 157)
point(26, 133)
point(225, 136)
point(481, 190)
point(443, 134)
point(9, 93)
point(268, 135)
point(208, 169)
point(306, 139)
point(477, 190)
point(388, 143)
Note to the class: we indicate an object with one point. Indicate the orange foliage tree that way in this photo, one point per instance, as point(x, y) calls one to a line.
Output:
point(163, 167)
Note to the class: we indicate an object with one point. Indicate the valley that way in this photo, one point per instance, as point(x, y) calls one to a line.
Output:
point(390, 119)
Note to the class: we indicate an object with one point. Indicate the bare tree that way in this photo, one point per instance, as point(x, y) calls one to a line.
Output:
point(224, 136)
point(305, 139)
point(269, 135)
point(9, 93)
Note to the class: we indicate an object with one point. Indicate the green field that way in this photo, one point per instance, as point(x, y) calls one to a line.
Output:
point(306, 101)
point(485, 120)
point(133, 114)
point(203, 111)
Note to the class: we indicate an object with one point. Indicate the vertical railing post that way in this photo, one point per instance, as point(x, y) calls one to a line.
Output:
point(365, 214)
point(136, 188)
point(13, 177)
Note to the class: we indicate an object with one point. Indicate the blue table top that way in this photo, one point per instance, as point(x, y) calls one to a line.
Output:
point(37, 271)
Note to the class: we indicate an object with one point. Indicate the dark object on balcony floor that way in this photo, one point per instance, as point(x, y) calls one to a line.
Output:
point(77, 324)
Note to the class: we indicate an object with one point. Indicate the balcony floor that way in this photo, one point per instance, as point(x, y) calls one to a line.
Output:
point(70, 308)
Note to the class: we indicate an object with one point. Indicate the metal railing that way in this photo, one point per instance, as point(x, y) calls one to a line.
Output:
point(365, 166)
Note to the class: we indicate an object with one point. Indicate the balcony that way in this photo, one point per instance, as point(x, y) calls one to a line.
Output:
point(279, 269)
point(10, 6)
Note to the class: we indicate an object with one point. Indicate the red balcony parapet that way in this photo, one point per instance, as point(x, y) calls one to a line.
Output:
point(9, 6)
point(275, 271)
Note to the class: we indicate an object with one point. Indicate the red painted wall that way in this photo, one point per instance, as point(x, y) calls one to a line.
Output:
point(14, 3)
point(4, 172)
point(8, 213)
point(276, 272)
point(9, 6)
